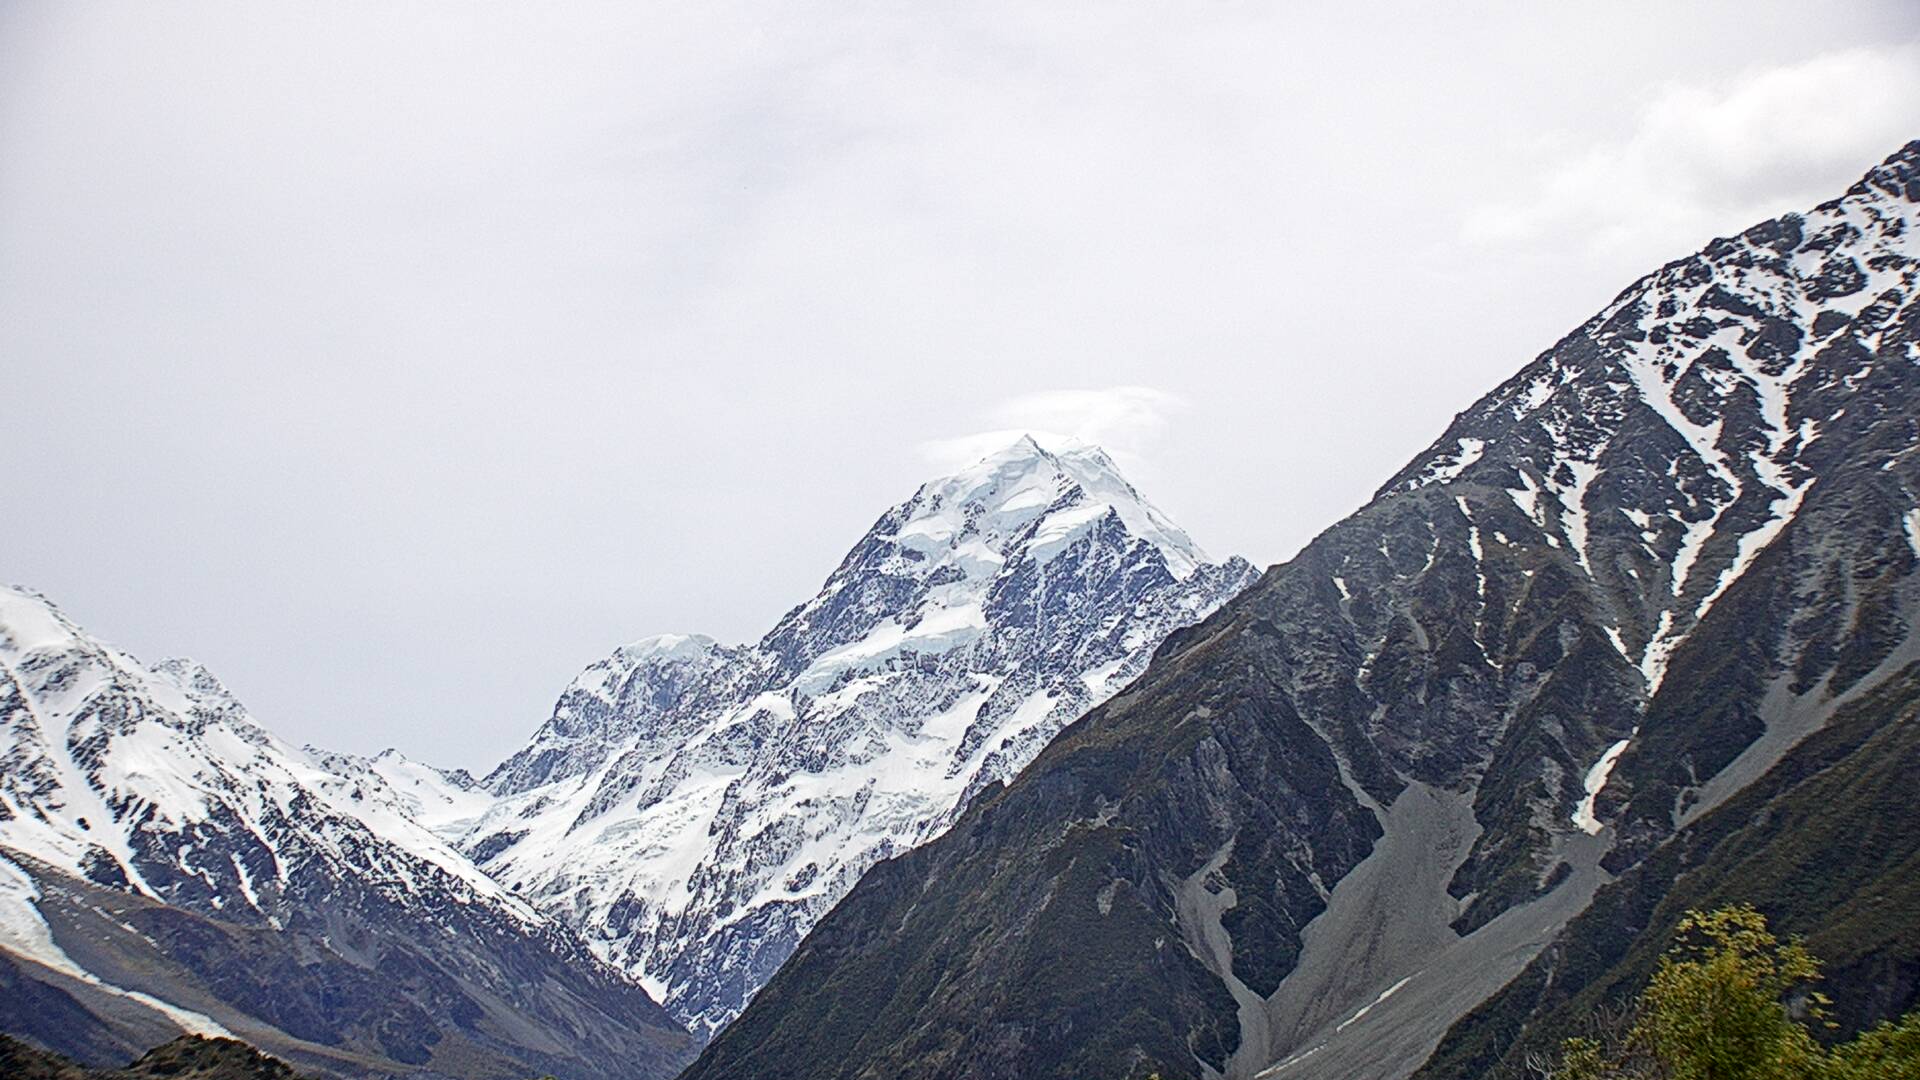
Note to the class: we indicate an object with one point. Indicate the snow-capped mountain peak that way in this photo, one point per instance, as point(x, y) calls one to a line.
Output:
point(607, 706)
point(693, 807)
point(1027, 493)
point(669, 647)
point(110, 763)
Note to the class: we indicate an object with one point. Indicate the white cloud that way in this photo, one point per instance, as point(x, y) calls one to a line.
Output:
point(1123, 420)
point(1708, 158)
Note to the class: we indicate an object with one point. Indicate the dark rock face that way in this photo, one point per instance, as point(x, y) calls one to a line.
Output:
point(1621, 594)
point(1824, 843)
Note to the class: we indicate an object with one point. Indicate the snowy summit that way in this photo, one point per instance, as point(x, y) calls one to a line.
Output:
point(694, 808)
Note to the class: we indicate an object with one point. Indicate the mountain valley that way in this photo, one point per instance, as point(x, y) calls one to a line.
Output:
point(1033, 788)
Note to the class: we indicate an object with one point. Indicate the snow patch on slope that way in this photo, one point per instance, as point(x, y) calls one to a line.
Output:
point(25, 933)
point(1595, 782)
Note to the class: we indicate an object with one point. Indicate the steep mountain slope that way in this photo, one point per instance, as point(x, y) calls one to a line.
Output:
point(693, 809)
point(1357, 801)
point(165, 862)
point(1825, 842)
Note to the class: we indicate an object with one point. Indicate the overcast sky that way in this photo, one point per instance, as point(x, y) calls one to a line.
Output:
point(398, 360)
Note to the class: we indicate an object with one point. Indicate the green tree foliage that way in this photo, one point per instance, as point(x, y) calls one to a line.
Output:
point(1731, 1002)
point(1888, 1052)
point(1714, 1008)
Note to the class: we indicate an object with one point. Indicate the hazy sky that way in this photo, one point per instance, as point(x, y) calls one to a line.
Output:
point(398, 360)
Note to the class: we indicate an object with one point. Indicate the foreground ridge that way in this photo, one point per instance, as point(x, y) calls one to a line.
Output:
point(194, 1057)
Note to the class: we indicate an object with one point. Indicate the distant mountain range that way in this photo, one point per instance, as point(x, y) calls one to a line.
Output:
point(687, 814)
point(1032, 788)
point(166, 865)
point(1636, 634)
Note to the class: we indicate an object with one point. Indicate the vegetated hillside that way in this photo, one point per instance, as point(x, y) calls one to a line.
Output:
point(167, 865)
point(693, 808)
point(1669, 560)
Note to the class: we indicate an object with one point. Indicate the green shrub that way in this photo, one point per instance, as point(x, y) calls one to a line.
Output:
point(1731, 1002)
